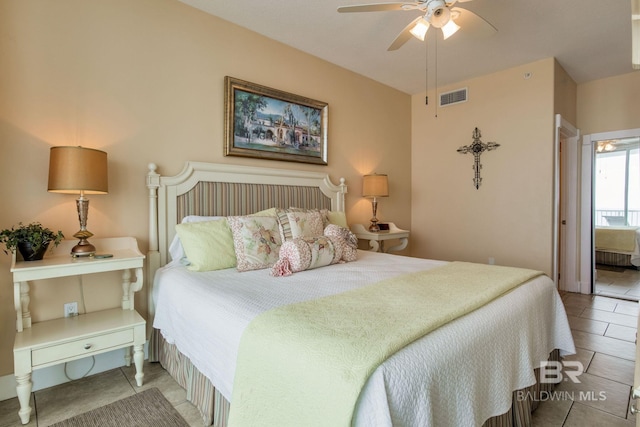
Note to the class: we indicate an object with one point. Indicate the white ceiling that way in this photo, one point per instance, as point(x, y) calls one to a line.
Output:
point(591, 39)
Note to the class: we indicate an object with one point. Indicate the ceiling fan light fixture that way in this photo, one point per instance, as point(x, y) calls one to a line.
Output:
point(438, 14)
point(419, 30)
point(449, 29)
point(606, 146)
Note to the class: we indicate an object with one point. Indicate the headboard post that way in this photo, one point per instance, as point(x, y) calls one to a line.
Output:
point(343, 190)
point(153, 182)
point(153, 254)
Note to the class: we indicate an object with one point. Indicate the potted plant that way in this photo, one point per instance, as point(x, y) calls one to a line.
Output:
point(31, 240)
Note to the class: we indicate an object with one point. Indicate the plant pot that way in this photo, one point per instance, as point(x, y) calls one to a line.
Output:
point(28, 254)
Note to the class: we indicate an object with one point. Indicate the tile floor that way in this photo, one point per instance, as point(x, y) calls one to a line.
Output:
point(618, 282)
point(604, 332)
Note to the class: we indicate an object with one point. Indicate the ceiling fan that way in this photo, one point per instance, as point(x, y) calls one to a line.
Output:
point(437, 13)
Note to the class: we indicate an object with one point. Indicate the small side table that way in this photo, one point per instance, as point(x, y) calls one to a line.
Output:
point(56, 341)
point(376, 239)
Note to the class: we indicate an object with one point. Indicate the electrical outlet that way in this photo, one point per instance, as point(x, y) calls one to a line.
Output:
point(71, 309)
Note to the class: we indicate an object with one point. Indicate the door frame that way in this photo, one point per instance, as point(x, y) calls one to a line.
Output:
point(565, 206)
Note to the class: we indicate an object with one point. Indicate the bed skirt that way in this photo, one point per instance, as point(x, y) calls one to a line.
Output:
point(613, 258)
point(214, 408)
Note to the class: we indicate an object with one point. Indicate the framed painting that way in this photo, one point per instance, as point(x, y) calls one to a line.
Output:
point(266, 123)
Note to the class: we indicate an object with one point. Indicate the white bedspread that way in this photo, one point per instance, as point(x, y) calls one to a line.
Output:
point(460, 374)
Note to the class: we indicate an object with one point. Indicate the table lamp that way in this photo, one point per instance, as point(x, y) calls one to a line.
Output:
point(79, 170)
point(375, 185)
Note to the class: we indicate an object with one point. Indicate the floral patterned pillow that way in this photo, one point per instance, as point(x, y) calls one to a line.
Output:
point(298, 223)
point(304, 253)
point(256, 241)
point(338, 245)
point(344, 240)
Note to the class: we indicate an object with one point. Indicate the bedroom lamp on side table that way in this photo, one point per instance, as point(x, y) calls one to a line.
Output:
point(79, 170)
point(375, 185)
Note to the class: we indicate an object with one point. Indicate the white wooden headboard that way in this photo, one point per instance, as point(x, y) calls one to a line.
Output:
point(165, 193)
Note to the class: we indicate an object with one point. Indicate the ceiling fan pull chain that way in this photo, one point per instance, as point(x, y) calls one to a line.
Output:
point(426, 73)
point(436, 67)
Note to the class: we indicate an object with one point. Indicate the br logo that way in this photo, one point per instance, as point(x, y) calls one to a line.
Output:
point(552, 371)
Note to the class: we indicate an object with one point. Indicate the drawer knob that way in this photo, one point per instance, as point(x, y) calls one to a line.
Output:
point(87, 346)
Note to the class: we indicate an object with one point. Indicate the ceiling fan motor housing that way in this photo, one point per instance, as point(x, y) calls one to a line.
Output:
point(438, 13)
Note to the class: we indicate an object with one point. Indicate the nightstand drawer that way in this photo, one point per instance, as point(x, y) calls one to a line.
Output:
point(80, 347)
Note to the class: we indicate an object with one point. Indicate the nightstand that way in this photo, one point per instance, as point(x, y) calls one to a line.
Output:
point(62, 340)
point(377, 239)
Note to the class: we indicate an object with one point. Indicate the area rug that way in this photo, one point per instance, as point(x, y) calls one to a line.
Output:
point(147, 408)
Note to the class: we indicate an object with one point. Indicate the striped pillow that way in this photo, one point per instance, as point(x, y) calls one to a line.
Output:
point(299, 223)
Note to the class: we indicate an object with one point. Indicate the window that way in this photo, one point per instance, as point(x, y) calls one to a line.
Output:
point(617, 181)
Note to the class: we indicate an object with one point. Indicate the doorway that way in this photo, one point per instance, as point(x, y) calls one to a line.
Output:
point(610, 212)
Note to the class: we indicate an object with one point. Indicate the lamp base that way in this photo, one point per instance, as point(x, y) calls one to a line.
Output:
point(374, 227)
point(82, 249)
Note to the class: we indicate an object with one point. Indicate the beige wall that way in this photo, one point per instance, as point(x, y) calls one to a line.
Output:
point(509, 217)
point(609, 104)
point(565, 94)
point(143, 80)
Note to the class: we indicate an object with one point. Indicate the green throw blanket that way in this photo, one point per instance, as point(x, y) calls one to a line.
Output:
point(305, 364)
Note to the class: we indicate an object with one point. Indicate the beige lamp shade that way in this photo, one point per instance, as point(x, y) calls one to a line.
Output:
point(77, 169)
point(375, 185)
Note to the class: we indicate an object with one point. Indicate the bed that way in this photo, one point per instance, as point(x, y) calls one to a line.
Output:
point(618, 246)
point(473, 370)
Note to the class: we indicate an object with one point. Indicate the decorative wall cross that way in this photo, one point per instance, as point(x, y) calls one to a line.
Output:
point(477, 147)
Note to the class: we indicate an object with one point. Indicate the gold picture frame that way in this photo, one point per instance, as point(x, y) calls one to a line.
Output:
point(266, 123)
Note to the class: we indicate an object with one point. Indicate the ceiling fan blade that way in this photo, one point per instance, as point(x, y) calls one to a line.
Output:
point(375, 7)
point(452, 2)
point(472, 23)
point(404, 35)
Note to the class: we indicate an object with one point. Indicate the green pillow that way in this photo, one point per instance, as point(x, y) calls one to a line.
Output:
point(266, 212)
point(338, 218)
point(208, 244)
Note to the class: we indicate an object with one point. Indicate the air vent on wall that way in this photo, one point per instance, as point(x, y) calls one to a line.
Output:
point(454, 97)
